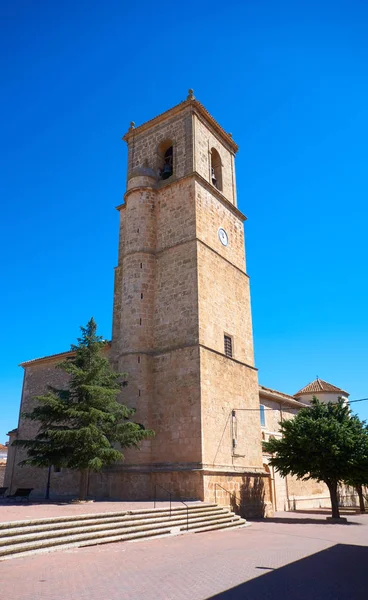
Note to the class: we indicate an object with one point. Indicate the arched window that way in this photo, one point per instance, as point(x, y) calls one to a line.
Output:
point(216, 169)
point(166, 159)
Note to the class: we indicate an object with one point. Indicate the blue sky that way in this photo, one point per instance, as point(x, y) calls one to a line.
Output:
point(288, 79)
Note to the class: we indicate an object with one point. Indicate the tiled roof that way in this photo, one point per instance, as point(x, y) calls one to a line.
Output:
point(51, 357)
point(318, 385)
point(280, 396)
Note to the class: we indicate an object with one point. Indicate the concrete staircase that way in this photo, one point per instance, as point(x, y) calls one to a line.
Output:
point(21, 538)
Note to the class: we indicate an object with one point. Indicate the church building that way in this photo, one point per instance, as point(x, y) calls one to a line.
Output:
point(182, 330)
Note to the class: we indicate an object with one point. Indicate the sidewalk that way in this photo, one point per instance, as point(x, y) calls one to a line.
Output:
point(295, 556)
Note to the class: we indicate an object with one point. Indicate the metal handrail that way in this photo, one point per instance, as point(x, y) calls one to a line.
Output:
point(228, 492)
point(170, 497)
point(165, 490)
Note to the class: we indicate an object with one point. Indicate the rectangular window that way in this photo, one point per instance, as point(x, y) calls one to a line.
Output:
point(228, 345)
point(262, 415)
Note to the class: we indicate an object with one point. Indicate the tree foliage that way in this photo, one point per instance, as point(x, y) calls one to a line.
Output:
point(83, 426)
point(323, 442)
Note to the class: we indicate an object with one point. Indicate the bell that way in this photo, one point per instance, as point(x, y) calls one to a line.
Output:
point(213, 177)
point(166, 171)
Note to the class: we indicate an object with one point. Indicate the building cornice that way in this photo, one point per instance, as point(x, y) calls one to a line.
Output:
point(209, 187)
point(279, 397)
point(191, 105)
point(52, 358)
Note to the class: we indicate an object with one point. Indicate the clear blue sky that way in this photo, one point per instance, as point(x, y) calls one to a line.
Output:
point(288, 79)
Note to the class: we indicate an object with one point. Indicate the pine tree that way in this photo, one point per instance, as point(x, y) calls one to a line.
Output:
point(83, 427)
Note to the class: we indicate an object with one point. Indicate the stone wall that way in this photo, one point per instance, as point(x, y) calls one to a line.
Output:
point(176, 408)
point(245, 493)
point(205, 140)
point(175, 214)
point(143, 146)
point(227, 385)
point(224, 306)
point(213, 212)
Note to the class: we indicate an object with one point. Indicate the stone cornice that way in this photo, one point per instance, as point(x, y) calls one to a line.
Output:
point(209, 187)
point(193, 106)
point(220, 196)
point(196, 344)
point(205, 469)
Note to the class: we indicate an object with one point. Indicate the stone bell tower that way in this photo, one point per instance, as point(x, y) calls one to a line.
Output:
point(182, 325)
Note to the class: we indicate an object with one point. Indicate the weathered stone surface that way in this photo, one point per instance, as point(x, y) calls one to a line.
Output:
point(178, 291)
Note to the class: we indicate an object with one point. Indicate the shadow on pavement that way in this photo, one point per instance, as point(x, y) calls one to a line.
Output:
point(337, 573)
point(324, 511)
point(301, 521)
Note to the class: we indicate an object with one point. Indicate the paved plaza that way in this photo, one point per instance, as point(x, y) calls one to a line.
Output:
point(294, 556)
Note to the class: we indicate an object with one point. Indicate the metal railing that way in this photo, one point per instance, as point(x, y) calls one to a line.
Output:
point(232, 495)
point(157, 485)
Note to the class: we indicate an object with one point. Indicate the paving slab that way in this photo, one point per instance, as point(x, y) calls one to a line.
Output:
point(297, 556)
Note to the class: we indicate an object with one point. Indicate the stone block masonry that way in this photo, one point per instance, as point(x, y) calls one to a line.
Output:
point(178, 291)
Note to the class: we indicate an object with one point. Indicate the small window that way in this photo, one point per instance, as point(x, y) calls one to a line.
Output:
point(228, 345)
point(262, 415)
point(216, 169)
point(57, 469)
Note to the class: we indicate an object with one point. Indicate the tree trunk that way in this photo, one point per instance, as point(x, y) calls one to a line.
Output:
point(332, 486)
point(359, 490)
point(83, 483)
point(47, 495)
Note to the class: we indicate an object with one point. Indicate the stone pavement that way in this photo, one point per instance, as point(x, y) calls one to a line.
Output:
point(293, 556)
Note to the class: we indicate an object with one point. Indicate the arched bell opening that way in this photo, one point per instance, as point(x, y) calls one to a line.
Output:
point(216, 169)
point(166, 159)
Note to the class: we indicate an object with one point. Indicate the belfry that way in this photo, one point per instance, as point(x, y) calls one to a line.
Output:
point(182, 325)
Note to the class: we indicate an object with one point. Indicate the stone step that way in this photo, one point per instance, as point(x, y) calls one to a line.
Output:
point(132, 537)
point(99, 530)
point(234, 523)
point(9, 536)
point(57, 534)
point(144, 512)
point(102, 537)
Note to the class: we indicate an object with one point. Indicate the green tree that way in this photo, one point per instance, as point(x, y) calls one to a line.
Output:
point(323, 442)
point(83, 427)
point(358, 478)
point(359, 490)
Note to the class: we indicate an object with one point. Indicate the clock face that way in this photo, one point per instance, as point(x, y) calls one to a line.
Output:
point(223, 236)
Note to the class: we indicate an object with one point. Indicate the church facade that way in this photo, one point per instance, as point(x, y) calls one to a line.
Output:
point(182, 329)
